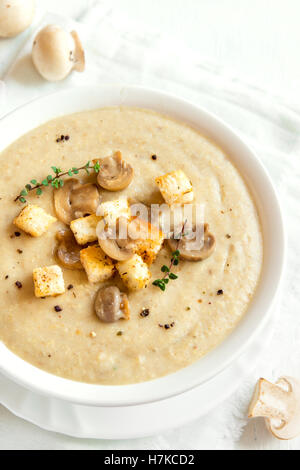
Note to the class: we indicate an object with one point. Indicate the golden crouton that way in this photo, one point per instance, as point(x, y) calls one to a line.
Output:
point(175, 188)
point(48, 281)
point(150, 239)
point(34, 220)
point(112, 210)
point(98, 266)
point(134, 273)
point(84, 229)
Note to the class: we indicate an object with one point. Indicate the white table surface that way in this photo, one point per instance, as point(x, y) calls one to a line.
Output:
point(257, 41)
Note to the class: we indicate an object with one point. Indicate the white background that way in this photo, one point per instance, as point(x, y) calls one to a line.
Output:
point(257, 41)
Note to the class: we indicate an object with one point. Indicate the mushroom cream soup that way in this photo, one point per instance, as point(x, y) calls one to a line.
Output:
point(55, 311)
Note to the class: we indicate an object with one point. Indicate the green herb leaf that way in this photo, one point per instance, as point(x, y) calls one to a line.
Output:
point(33, 181)
point(22, 199)
point(24, 192)
point(160, 283)
point(97, 167)
point(49, 178)
point(45, 183)
point(39, 191)
point(70, 173)
point(28, 187)
point(173, 276)
point(165, 269)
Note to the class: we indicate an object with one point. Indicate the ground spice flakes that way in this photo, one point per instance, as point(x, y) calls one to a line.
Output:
point(62, 138)
point(145, 312)
point(167, 326)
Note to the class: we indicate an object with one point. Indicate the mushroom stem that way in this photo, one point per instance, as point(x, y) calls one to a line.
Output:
point(79, 59)
point(279, 404)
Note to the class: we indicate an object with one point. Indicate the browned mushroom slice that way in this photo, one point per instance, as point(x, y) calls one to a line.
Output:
point(109, 238)
point(111, 305)
point(115, 174)
point(75, 200)
point(197, 247)
point(84, 200)
point(68, 251)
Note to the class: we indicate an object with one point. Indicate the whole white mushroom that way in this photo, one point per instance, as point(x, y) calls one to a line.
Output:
point(15, 16)
point(56, 52)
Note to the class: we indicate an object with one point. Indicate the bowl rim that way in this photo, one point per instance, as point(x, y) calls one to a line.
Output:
point(67, 101)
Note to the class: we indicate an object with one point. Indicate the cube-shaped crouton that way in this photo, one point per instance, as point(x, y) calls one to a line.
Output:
point(48, 281)
point(150, 239)
point(175, 188)
point(134, 273)
point(84, 229)
point(34, 220)
point(98, 266)
point(112, 210)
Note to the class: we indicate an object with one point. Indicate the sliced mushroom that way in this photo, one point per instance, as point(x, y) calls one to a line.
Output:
point(279, 404)
point(55, 53)
point(68, 251)
point(111, 305)
point(109, 238)
point(15, 16)
point(197, 247)
point(75, 200)
point(115, 174)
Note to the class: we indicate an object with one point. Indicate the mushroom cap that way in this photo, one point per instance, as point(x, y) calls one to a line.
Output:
point(55, 52)
point(15, 16)
point(116, 248)
point(279, 404)
point(110, 304)
point(115, 174)
point(197, 248)
point(75, 200)
point(68, 251)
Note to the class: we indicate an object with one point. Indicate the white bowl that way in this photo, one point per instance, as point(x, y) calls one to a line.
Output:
point(80, 99)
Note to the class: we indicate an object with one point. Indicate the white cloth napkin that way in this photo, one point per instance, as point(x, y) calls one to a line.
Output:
point(127, 54)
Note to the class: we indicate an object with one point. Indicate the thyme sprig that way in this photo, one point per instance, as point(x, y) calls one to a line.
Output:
point(169, 275)
point(54, 180)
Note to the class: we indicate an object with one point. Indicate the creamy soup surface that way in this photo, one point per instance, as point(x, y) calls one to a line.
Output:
point(60, 342)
